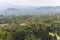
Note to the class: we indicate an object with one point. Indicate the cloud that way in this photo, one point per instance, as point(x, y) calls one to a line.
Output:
point(32, 2)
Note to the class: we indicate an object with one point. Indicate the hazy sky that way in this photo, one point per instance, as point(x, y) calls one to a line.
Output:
point(31, 2)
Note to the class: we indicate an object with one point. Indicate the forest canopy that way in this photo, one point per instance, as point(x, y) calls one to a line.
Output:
point(30, 27)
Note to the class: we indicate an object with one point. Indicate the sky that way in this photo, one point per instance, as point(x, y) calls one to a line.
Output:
point(30, 2)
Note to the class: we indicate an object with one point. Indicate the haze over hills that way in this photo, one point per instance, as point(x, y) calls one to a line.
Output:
point(30, 10)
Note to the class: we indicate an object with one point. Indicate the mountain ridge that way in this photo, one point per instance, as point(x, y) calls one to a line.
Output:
point(32, 10)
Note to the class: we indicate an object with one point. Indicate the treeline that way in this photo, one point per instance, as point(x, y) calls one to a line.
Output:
point(30, 27)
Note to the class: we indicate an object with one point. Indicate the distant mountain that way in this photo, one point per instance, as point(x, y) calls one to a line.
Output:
point(32, 10)
point(49, 8)
point(11, 9)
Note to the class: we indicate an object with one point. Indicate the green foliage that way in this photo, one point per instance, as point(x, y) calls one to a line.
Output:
point(29, 27)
